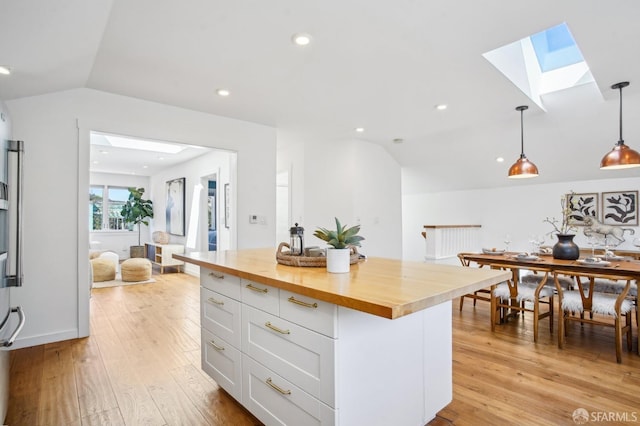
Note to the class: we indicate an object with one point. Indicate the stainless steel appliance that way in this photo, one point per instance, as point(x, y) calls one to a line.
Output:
point(11, 158)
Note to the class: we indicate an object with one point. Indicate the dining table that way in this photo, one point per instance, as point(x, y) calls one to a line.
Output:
point(546, 262)
point(612, 268)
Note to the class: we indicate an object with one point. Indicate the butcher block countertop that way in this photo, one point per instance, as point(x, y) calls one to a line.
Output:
point(384, 287)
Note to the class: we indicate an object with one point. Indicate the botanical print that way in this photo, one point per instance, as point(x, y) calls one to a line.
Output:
point(620, 208)
point(581, 206)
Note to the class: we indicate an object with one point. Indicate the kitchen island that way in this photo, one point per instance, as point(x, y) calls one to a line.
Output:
point(301, 346)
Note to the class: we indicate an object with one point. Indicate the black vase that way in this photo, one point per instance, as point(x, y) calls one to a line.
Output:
point(565, 248)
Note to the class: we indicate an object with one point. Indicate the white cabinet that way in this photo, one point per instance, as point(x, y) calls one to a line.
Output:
point(302, 356)
point(281, 369)
point(294, 360)
point(162, 255)
point(220, 325)
point(220, 314)
point(222, 362)
point(260, 296)
point(276, 401)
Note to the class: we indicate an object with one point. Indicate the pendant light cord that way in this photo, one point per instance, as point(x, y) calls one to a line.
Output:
point(522, 134)
point(621, 141)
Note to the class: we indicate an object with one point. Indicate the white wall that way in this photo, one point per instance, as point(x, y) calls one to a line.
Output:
point(55, 128)
point(217, 162)
point(358, 182)
point(518, 211)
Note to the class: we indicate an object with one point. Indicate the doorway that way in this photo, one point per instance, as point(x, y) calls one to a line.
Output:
point(210, 218)
point(205, 161)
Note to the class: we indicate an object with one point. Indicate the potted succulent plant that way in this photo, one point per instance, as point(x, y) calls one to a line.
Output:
point(136, 210)
point(340, 241)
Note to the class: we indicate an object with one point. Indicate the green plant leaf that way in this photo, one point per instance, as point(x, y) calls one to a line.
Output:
point(342, 237)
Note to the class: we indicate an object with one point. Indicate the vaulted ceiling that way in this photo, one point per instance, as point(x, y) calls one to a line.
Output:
point(380, 65)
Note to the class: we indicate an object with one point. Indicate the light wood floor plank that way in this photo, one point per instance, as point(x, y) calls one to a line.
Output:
point(94, 388)
point(110, 417)
point(59, 403)
point(134, 401)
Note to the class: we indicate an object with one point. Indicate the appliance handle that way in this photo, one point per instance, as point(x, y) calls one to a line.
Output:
point(14, 263)
point(14, 335)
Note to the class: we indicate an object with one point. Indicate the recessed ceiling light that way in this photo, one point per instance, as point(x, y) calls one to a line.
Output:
point(160, 158)
point(499, 159)
point(145, 167)
point(223, 92)
point(441, 107)
point(301, 39)
point(5, 70)
point(398, 140)
point(96, 162)
point(103, 151)
point(359, 129)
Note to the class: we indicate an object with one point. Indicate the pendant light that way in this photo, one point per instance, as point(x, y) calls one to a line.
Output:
point(621, 156)
point(522, 168)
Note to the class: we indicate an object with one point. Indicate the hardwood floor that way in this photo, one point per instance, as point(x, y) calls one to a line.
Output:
point(140, 366)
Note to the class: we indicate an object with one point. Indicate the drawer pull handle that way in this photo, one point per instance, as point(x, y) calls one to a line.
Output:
point(301, 303)
point(216, 347)
point(274, 328)
point(278, 388)
point(216, 275)
point(259, 290)
point(217, 302)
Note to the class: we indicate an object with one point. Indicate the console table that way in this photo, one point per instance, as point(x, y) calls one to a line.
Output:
point(162, 255)
point(299, 346)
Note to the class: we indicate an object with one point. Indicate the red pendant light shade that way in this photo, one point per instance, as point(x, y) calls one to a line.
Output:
point(621, 156)
point(522, 168)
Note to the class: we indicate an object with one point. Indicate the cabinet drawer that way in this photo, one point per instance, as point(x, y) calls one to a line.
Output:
point(308, 312)
point(299, 355)
point(220, 315)
point(275, 400)
point(226, 284)
point(222, 362)
point(260, 296)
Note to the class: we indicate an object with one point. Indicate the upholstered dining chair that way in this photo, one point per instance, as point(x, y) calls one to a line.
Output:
point(519, 296)
point(573, 304)
point(482, 294)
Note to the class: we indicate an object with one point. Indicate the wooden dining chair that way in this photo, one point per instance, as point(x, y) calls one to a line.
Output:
point(482, 294)
point(517, 296)
point(573, 304)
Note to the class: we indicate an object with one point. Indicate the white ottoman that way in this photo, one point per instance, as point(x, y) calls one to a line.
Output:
point(109, 255)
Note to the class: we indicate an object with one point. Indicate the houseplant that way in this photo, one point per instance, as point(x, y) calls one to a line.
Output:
point(341, 240)
point(137, 210)
point(565, 248)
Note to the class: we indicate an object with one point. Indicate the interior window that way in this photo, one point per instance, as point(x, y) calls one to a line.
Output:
point(105, 204)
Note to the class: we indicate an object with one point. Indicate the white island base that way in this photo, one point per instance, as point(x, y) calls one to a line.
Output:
point(393, 372)
point(370, 371)
point(300, 346)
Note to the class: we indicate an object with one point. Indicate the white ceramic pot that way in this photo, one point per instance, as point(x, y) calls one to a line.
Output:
point(338, 260)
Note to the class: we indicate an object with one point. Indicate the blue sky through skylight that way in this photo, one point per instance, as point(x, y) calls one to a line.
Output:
point(546, 62)
point(555, 48)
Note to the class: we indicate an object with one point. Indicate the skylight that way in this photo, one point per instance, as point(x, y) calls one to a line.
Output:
point(145, 145)
point(546, 62)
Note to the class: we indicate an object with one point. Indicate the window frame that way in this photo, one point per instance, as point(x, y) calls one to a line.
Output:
point(106, 223)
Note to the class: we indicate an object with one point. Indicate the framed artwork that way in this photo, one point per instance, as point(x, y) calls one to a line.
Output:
point(227, 206)
point(581, 206)
point(175, 206)
point(620, 208)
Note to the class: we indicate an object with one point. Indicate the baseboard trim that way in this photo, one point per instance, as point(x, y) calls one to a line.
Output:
point(28, 341)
